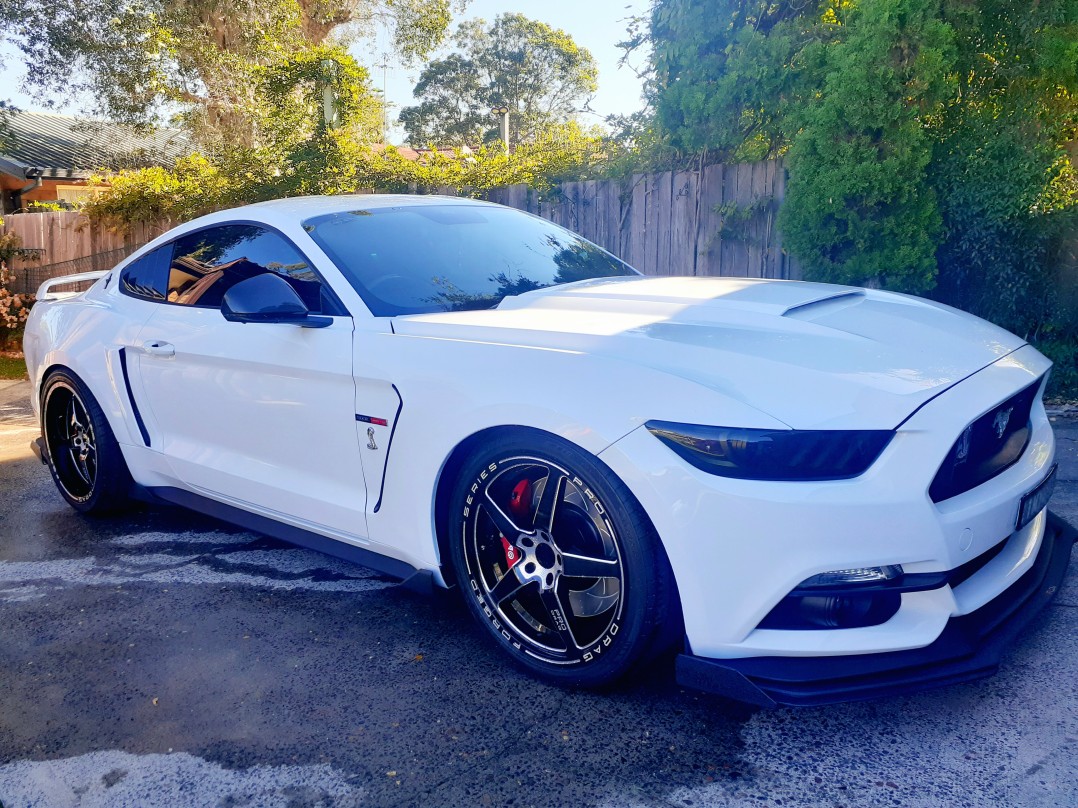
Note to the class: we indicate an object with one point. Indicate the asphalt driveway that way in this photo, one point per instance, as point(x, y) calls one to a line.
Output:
point(167, 659)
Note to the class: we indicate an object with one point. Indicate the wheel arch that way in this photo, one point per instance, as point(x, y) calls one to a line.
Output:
point(667, 634)
point(444, 485)
point(446, 477)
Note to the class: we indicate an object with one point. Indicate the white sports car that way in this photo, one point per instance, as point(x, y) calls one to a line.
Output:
point(824, 493)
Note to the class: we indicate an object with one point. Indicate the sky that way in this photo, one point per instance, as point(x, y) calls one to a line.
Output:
point(597, 25)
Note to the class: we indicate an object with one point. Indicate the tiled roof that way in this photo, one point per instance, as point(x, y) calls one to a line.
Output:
point(74, 148)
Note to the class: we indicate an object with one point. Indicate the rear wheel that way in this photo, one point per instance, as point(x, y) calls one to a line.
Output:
point(83, 455)
point(558, 561)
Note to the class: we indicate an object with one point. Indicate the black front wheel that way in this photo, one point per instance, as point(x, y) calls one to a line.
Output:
point(82, 452)
point(558, 560)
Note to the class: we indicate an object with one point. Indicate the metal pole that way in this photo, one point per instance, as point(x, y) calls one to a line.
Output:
point(329, 99)
point(502, 110)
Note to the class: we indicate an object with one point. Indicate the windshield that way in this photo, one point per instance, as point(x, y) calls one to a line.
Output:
point(429, 258)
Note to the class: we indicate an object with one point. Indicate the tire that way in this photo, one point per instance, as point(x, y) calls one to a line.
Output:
point(82, 453)
point(571, 582)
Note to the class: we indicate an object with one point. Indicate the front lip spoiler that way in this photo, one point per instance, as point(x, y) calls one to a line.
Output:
point(969, 648)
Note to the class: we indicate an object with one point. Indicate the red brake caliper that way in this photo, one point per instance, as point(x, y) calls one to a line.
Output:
point(520, 502)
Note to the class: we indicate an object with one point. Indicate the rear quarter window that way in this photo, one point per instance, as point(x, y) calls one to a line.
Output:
point(147, 276)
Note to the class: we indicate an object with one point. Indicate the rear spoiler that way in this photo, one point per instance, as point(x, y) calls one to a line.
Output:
point(44, 293)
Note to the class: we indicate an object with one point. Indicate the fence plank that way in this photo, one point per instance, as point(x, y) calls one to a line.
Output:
point(757, 227)
point(637, 231)
point(659, 224)
point(708, 241)
point(683, 212)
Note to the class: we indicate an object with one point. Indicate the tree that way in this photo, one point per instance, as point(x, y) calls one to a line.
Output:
point(858, 207)
point(200, 57)
point(922, 137)
point(539, 72)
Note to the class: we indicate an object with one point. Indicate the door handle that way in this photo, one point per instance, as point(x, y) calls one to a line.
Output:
point(158, 348)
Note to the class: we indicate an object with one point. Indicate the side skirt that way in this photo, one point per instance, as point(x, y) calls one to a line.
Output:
point(410, 577)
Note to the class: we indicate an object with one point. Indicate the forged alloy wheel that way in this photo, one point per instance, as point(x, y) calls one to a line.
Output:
point(71, 442)
point(573, 590)
point(83, 455)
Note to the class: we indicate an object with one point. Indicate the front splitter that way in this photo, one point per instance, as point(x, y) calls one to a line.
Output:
point(970, 648)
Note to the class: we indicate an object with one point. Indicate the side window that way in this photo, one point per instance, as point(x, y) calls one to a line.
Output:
point(146, 277)
point(208, 263)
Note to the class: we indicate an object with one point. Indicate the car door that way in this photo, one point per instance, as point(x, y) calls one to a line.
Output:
point(260, 415)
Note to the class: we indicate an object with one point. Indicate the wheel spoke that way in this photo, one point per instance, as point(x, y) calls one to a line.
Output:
point(69, 419)
point(553, 606)
point(79, 464)
point(75, 413)
point(508, 586)
point(501, 521)
point(548, 503)
point(578, 566)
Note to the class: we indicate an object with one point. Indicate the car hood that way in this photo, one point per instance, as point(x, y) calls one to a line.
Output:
point(813, 356)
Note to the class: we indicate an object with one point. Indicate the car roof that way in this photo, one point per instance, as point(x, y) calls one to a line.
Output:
point(306, 206)
point(294, 210)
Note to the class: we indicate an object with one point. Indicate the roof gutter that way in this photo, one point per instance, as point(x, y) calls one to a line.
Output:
point(32, 174)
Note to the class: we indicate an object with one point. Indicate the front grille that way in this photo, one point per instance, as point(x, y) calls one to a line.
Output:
point(986, 447)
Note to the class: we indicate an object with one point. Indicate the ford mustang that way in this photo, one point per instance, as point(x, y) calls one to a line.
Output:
point(815, 493)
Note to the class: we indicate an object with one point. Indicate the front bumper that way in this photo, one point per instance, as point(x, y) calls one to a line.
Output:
point(969, 648)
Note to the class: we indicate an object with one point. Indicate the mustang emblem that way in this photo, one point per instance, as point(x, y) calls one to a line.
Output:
point(1003, 417)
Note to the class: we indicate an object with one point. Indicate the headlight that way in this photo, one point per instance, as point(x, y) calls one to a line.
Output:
point(766, 454)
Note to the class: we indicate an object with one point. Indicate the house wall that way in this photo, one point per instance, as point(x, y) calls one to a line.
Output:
point(50, 190)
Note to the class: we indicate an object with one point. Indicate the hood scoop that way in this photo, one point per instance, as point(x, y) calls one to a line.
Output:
point(829, 303)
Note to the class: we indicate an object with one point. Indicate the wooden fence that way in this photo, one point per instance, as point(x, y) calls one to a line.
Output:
point(716, 221)
point(719, 220)
point(67, 242)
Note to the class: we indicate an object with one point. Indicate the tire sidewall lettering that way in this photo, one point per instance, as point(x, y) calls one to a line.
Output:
point(599, 648)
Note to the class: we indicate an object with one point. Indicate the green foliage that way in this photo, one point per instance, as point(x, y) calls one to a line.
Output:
point(539, 72)
point(7, 109)
point(12, 367)
point(1063, 383)
point(857, 209)
point(193, 187)
point(925, 139)
point(1007, 191)
point(14, 308)
point(333, 161)
point(735, 219)
point(726, 74)
point(44, 206)
point(199, 58)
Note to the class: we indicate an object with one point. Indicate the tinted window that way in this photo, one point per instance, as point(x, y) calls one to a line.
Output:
point(428, 258)
point(206, 264)
point(145, 277)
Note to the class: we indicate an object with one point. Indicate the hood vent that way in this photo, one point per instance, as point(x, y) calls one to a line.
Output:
point(802, 308)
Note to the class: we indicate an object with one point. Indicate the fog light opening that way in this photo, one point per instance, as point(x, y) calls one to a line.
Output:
point(836, 611)
point(848, 611)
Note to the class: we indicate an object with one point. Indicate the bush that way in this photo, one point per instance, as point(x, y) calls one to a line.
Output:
point(1063, 383)
point(14, 309)
point(335, 162)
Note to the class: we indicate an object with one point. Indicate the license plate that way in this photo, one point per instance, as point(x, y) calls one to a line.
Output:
point(1036, 500)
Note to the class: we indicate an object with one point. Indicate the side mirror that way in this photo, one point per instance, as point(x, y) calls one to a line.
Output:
point(268, 298)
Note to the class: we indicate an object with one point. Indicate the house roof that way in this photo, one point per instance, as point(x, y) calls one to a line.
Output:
point(419, 155)
point(74, 148)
